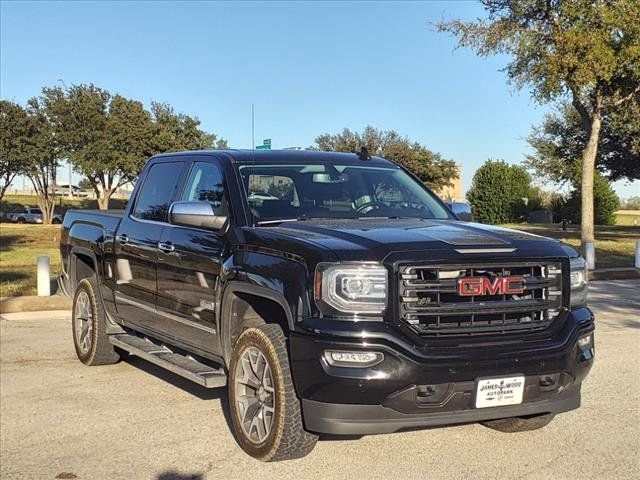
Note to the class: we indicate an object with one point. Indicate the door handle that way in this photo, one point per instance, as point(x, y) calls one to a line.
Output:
point(166, 246)
point(123, 238)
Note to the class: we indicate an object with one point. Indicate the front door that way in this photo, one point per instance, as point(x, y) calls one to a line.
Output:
point(136, 245)
point(189, 265)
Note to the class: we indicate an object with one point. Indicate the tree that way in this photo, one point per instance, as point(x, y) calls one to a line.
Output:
point(177, 131)
point(13, 136)
point(584, 50)
point(428, 166)
point(42, 154)
point(632, 203)
point(606, 202)
point(85, 184)
point(106, 138)
point(498, 192)
point(559, 141)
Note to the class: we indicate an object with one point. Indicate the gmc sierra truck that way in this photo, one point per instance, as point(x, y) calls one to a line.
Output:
point(331, 293)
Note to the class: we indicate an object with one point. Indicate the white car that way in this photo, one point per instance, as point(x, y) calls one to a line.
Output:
point(63, 190)
point(31, 215)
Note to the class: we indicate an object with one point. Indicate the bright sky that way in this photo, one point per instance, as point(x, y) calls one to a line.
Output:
point(309, 68)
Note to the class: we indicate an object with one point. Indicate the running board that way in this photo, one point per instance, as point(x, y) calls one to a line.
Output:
point(182, 365)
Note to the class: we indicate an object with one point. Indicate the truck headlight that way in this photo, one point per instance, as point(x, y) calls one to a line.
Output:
point(351, 288)
point(578, 282)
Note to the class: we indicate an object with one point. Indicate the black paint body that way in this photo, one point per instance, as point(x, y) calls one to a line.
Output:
point(185, 297)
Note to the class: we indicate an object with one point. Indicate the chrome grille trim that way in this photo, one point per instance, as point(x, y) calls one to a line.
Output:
point(429, 302)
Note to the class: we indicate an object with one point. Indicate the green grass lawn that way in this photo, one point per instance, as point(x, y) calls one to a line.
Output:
point(20, 246)
point(615, 245)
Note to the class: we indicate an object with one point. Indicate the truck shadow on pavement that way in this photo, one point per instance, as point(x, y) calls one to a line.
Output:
point(179, 476)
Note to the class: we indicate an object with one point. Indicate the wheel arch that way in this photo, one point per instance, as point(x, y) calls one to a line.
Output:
point(246, 305)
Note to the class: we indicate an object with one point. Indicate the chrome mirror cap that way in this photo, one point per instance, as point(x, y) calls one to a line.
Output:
point(196, 214)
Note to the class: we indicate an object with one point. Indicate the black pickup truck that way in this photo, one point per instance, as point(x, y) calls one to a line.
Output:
point(331, 293)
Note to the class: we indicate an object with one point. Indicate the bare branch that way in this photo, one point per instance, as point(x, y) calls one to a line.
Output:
point(627, 97)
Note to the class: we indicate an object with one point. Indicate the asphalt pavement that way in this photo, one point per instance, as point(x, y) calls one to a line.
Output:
point(62, 420)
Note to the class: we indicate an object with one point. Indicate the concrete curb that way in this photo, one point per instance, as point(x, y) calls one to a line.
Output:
point(34, 304)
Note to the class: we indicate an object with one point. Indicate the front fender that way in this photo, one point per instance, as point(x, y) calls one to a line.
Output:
point(270, 275)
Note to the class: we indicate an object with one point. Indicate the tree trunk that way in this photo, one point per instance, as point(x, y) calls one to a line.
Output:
point(47, 205)
point(588, 167)
point(103, 201)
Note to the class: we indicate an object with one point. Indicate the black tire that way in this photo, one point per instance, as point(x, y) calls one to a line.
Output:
point(21, 220)
point(520, 424)
point(99, 350)
point(56, 221)
point(287, 438)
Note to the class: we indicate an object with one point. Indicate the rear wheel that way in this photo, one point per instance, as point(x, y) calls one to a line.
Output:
point(265, 409)
point(21, 220)
point(88, 325)
point(520, 424)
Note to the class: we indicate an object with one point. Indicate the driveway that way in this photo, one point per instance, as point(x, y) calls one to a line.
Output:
point(62, 420)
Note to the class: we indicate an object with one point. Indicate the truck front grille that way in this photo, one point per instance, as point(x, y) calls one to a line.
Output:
point(431, 304)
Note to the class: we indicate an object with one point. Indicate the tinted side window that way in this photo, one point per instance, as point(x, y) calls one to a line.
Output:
point(157, 191)
point(206, 184)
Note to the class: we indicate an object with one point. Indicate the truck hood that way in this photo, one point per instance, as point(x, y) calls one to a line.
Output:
point(377, 238)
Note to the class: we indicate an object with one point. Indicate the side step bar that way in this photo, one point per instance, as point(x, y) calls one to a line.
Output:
point(162, 356)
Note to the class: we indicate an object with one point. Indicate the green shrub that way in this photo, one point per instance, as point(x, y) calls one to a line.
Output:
point(606, 202)
point(499, 192)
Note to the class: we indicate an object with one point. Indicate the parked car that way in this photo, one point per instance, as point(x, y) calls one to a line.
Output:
point(31, 215)
point(354, 303)
point(63, 190)
point(462, 210)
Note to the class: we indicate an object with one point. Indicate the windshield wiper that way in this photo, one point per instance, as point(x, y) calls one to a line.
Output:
point(301, 218)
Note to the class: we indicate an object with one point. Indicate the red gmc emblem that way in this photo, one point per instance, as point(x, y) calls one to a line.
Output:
point(485, 286)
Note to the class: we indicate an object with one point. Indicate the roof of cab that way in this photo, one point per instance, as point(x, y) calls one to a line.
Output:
point(284, 156)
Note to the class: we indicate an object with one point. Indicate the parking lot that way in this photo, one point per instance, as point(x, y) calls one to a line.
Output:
point(60, 419)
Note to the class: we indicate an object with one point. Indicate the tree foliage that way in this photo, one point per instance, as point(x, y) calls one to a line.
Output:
point(427, 165)
point(14, 126)
point(559, 141)
point(585, 51)
point(108, 138)
point(498, 192)
point(632, 203)
point(606, 202)
point(177, 131)
point(42, 154)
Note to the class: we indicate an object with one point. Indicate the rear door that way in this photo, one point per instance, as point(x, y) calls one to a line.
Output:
point(136, 245)
point(189, 266)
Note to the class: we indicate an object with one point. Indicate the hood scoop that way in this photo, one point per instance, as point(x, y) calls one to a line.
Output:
point(458, 236)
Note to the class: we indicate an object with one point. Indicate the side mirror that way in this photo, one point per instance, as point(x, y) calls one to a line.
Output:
point(196, 214)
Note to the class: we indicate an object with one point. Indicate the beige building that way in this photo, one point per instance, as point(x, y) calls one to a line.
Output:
point(454, 191)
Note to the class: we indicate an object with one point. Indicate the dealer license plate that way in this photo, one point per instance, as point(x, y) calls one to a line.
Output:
point(496, 392)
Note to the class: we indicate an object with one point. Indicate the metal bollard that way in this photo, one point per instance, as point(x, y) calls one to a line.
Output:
point(638, 254)
point(44, 282)
point(590, 255)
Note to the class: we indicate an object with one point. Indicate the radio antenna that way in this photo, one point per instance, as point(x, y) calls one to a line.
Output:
point(253, 129)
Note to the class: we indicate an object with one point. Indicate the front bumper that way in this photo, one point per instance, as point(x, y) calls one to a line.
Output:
point(390, 396)
point(347, 419)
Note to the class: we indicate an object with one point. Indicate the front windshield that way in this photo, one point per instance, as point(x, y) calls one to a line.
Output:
point(298, 192)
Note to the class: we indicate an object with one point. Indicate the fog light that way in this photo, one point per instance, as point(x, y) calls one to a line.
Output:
point(341, 358)
point(586, 342)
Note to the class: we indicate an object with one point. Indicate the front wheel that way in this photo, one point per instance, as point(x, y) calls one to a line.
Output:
point(265, 409)
point(520, 424)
